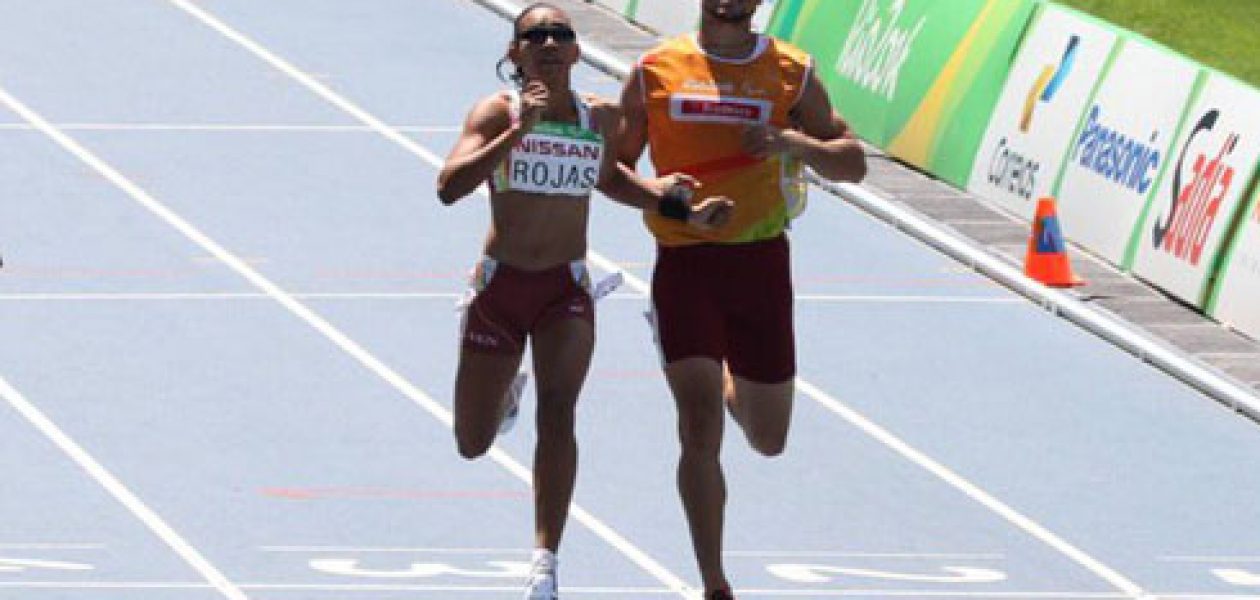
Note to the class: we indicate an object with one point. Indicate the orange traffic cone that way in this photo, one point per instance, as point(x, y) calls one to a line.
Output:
point(1047, 259)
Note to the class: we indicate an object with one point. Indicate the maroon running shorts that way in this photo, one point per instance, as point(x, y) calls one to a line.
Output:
point(729, 302)
point(511, 303)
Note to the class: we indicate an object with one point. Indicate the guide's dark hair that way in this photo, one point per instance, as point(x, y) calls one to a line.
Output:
point(517, 77)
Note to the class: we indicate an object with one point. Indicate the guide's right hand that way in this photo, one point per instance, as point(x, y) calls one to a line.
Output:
point(711, 213)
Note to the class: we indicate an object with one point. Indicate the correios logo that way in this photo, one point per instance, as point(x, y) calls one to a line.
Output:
point(1183, 231)
point(1049, 82)
point(1014, 171)
point(878, 46)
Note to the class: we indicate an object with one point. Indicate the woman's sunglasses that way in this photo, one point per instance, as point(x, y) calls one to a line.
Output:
point(539, 35)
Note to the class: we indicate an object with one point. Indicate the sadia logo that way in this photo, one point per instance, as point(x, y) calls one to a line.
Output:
point(1011, 170)
point(1184, 230)
point(877, 47)
point(1049, 82)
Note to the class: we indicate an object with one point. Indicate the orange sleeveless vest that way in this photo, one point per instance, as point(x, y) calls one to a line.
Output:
point(697, 108)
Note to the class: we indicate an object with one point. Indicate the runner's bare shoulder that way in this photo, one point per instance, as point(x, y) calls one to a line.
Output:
point(492, 114)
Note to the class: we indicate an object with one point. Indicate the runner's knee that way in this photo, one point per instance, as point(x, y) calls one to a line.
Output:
point(700, 431)
point(473, 441)
point(768, 443)
point(473, 446)
point(766, 413)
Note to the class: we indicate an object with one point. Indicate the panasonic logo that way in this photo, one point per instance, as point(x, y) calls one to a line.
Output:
point(1108, 152)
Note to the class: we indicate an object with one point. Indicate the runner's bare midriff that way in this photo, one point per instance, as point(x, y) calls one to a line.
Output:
point(537, 231)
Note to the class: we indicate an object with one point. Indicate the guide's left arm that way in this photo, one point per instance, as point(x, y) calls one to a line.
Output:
point(819, 138)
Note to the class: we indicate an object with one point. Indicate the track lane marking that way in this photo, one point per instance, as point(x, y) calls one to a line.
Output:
point(113, 485)
point(171, 296)
point(345, 343)
point(239, 127)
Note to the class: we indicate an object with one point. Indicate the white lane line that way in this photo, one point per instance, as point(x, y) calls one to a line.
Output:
point(227, 127)
point(204, 296)
point(1211, 559)
point(873, 593)
point(880, 555)
point(321, 587)
point(170, 296)
point(106, 585)
point(612, 591)
point(50, 546)
point(1112, 576)
point(743, 593)
point(1192, 596)
point(313, 587)
point(899, 299)
point(107, 480)
point(403, 587)
point(403, 550)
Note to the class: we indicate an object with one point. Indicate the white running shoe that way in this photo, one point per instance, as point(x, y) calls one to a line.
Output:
point(512, 402)
point(542, 586)
point(542, 577)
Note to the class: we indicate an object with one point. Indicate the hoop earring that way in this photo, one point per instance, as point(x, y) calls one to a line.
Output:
point(516, 78)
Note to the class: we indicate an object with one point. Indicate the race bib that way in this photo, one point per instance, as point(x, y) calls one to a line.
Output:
point(554, 158)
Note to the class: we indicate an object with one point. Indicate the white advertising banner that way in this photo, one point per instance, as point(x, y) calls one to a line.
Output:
point(762, 18)
point(1033, 122)
point(672, 17)
point(1122, 145)
point(1213, 159)
point(621, 6)
point(668, 17)
point(1237, 302)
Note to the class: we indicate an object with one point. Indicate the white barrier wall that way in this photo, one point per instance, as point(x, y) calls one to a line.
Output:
point(1237, 302)
point(672, 17)
point(1213, 159)
point(621, 6)
point(668, 17)
point(1033, 122)
point(1122, 146)
point(762, 17)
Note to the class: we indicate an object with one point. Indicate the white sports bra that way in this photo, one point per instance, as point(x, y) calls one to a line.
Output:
point(559, 159)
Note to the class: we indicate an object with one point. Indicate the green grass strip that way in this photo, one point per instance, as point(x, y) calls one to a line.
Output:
point(1221, 34)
